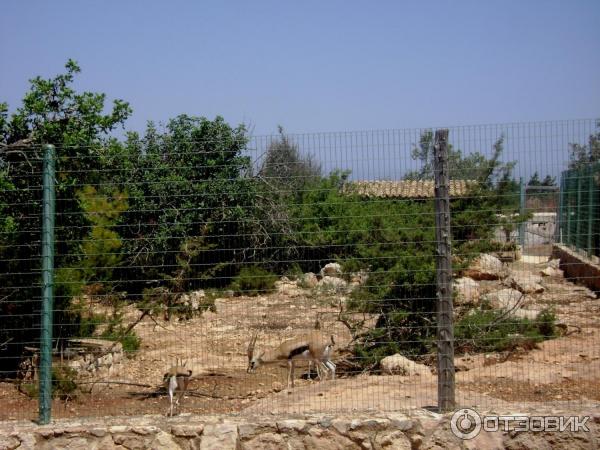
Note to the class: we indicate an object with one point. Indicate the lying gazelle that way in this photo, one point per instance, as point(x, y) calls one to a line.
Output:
point(177, 378)
point(314, 347)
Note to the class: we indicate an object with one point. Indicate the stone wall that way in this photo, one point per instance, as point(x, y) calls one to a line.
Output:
point(417, 430)
point(577, 267)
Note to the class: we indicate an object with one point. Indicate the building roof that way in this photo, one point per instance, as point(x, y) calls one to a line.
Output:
point(405, 188)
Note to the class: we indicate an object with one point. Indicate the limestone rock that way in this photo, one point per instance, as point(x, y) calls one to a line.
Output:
point(398, 364)
point(467, 291)
point(332, 284)
point(196, 299)
point(9, 443)
point(503, 299)
point(220, 436)
point(527, 283)
point(552, 272)
point(392, 440)
point(163, 441)
point(526, 313)
point(486, 267)
point(308, 280)
point(287, 287)
point(266, 441)
point(331, 270)
point(554, 263)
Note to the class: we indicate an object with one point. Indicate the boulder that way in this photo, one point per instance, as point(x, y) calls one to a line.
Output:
point(467, 291)
point(503, 299)
point(554, 263)
point(196, 299)
point(552, 272)
point(309, 280)
point(359, 278)
point(400, 365)
point(525, 282)
point(530, 314)
point(486, 267)
point(332, 284)
point(331, 270)
point(287, 287)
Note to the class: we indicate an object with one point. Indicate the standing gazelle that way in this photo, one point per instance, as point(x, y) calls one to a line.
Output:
point(177, 378)
point(314, 347)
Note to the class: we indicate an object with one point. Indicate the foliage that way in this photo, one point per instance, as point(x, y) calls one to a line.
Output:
point(548, 180)
point(64, 385)
point(285, 168)
point(253, 280)
point(189, 194)
point(130, 341)
point(580, 156)
point(52, 112)
point(490, 330)
point(100, 249)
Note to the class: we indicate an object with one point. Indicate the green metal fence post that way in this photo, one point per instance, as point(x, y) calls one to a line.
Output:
point(561, 215)
point(45, 400)
point(522, 212)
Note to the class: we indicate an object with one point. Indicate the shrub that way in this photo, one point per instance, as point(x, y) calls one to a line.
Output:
point(128, 339)
point(488, 331)
point(63, 384)
point(253, 280)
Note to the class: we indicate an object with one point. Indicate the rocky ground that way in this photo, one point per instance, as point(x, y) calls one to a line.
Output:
point(563, 371)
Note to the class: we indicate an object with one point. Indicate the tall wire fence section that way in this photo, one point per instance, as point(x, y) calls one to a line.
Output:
point(580, 209)
point(176, 250)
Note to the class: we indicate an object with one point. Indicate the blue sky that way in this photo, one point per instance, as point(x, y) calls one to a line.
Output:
point(316, 65)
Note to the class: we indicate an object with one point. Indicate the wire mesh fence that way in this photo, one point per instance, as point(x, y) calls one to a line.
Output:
point(580, 209)
point(176, 250)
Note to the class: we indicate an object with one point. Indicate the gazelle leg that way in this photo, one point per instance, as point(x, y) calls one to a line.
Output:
point(331, 366)
point(172, 387)
point(320, 370)
point(183, 388)
point(290, 373)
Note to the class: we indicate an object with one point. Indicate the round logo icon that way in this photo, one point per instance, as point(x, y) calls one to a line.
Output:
point(465, 423)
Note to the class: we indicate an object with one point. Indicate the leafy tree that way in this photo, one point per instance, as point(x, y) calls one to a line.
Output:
point(285, 168)
point(399, 248)
point(282, 180)
point(190, 203)
point(52, 112)
point(581, 156)
point(548, 180)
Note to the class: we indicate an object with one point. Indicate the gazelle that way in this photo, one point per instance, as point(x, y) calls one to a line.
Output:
point(314, 347)
point(177, 378)
point(324, 362)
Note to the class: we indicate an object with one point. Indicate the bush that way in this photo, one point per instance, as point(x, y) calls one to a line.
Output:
point(89, 324)
point(253, 280)
point(129, 340)
point(63, 384)
point(488, 331)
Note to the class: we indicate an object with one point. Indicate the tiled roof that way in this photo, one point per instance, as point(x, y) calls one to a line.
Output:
point(405, 188)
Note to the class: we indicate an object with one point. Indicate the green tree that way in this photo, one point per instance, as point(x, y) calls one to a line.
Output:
point(286, 169)
point(52, 112)
point(581, 156)
point(282, 180)
point(190, 198)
